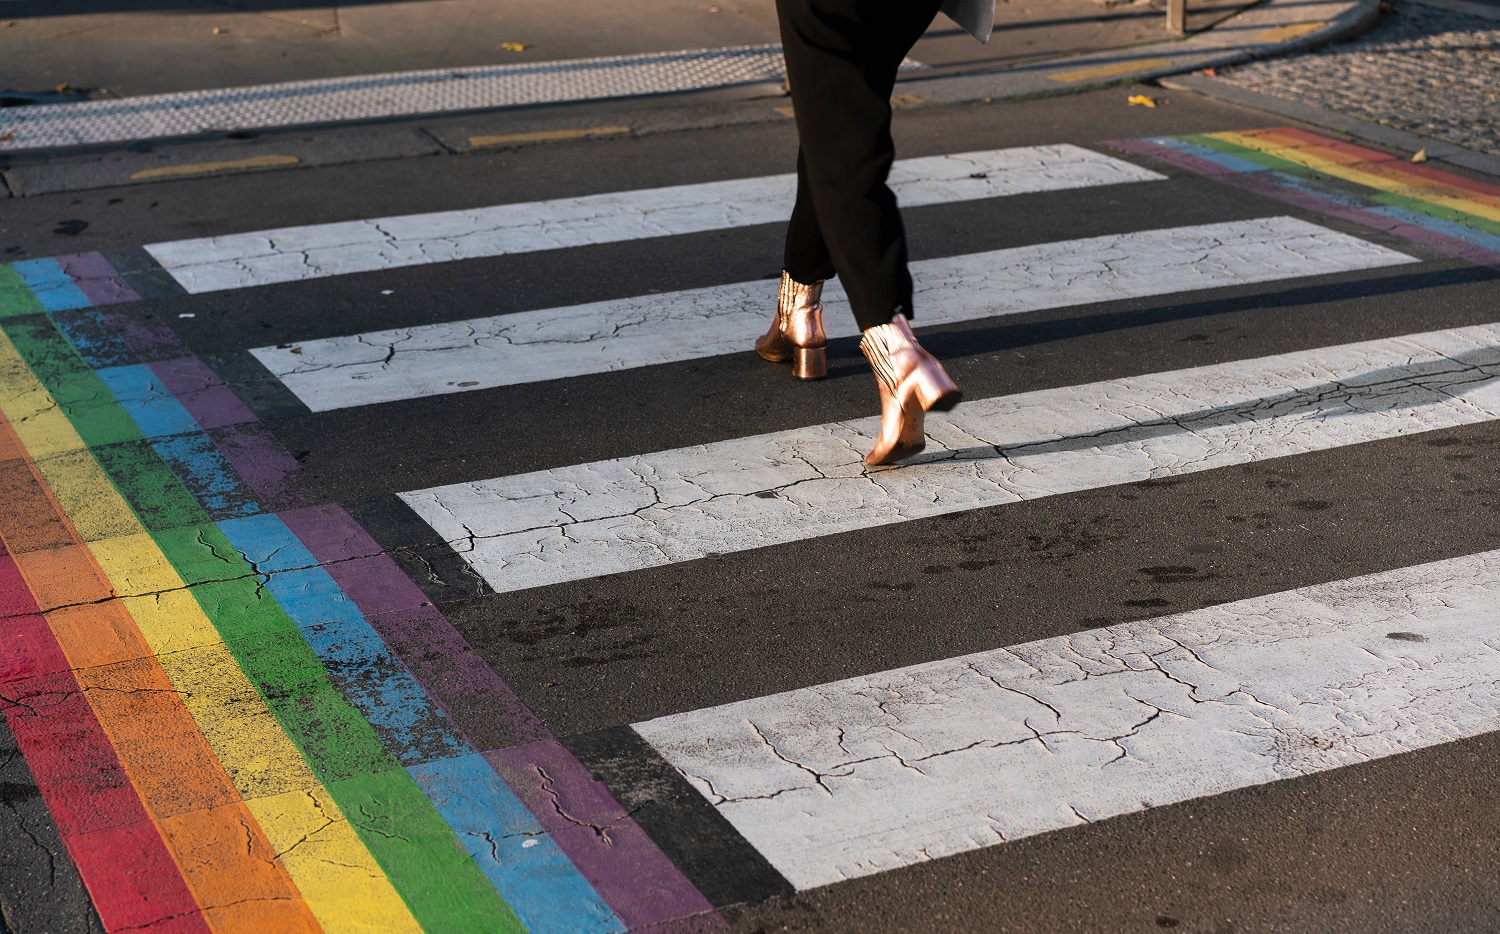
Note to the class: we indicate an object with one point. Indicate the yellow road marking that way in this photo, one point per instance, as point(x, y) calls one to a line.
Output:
point(208, 168)
point(1109, 71)
point(547, 136)
point(1283, 33)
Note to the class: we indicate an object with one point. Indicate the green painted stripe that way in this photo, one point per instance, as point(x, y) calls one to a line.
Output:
point(83, 397)
point(1441, 212)
point(420, 854)
point(149, 485)
point(15, 297)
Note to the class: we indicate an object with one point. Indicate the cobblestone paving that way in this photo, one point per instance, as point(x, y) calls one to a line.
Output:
point(1422, 69)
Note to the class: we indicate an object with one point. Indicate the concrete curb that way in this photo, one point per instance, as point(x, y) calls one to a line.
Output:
point(1245, 37)
point(1437, 150)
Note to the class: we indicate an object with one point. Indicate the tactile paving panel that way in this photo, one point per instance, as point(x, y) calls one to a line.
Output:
point(364, 97)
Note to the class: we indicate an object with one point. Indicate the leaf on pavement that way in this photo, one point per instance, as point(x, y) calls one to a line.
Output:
point(1141, 100)
point(1421, 156)
point(513, 46)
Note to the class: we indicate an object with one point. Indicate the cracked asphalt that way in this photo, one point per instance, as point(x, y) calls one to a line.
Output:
point(1404, 842)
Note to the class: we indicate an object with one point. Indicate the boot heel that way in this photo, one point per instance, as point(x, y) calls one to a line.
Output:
point(810, 363)
point(937, 392)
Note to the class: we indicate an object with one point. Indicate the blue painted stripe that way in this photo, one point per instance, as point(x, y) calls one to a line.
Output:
point(413, 727)
point(1234, 163)
point(141, 393)
point(207, 475)
point(508, 844)
point(51, 285)
point(175, 434)
point(93, 338)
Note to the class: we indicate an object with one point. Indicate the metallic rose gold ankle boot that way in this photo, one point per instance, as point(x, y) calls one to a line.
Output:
point(797, 331)
point(911, 381)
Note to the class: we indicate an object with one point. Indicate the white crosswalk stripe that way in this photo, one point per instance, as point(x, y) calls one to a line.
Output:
point(556, 343)
point(293, 254)
point(656, 509)
point(873, 773)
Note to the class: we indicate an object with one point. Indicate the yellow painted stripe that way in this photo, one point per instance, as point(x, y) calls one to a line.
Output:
point(1284, 33)
point(1116, 70)
point(27, 405)
point(1433, 192)
point(209, 168)
point(342, 884)
point(547, 136)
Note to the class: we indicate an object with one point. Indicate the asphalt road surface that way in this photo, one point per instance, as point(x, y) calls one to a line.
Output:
point(1185, 620)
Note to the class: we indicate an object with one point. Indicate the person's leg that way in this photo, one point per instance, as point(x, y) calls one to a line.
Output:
point(842, 57)
point(807, 260)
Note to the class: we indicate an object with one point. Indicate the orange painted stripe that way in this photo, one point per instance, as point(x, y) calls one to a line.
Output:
point(224, 857)
point(1381, 165)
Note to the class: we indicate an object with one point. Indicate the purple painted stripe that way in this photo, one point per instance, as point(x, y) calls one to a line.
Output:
point(483, 707)
point(264, 464)
point(206, 397)
point(97, 279)
point(147, 339)
point(630, 873)
point(1266, 186)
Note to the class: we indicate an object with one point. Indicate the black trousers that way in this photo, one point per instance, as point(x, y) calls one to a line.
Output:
point(841, 59)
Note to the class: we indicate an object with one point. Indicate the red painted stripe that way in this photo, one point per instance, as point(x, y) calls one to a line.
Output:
point(118, 850)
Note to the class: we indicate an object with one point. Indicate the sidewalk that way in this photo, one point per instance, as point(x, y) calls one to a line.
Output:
point(1039, 50)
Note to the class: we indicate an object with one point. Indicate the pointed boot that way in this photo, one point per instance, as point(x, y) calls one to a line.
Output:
point(911, 383)
point(796, 333)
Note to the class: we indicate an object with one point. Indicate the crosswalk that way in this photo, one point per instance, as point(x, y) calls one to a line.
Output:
point(351, 717)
